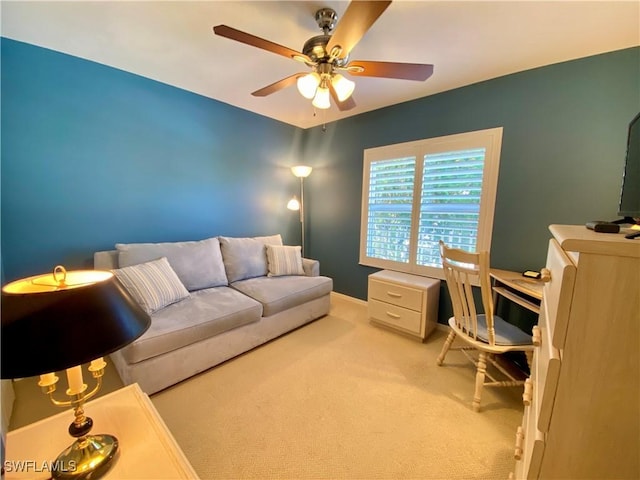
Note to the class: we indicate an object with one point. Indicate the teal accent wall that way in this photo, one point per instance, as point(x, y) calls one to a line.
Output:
point(563, 150)
point(92, 155)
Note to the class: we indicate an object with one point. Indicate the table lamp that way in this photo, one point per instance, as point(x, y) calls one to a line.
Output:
point(59, 321)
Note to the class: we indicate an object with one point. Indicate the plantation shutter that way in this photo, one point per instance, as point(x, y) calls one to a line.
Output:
point(450, 203)
point(390, 203)
point(415, 194)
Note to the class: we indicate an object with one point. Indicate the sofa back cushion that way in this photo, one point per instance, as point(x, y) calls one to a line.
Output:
point(198, 264)
point(246, 257)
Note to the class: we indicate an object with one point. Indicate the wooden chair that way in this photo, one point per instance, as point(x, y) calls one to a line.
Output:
point(487, 333)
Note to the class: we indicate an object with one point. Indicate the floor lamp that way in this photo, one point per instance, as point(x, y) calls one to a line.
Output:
point(302, 172)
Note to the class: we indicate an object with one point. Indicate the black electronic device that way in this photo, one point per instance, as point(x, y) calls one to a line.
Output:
point(531, 274)
point(603, 227)
point(629, 206)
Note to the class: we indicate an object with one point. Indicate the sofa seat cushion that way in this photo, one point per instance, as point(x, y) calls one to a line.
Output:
point(281, 293)
point(204, 314)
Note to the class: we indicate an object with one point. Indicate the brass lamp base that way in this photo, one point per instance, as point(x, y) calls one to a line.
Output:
point(87, 458)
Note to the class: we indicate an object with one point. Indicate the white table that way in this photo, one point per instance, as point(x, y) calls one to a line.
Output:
point(147, 448)
point(516, 287)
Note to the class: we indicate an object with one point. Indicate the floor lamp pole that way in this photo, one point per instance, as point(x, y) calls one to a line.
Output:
point(301, 171)
point(302, 211)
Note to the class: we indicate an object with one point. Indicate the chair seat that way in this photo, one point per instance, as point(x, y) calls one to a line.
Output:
point(506, 334)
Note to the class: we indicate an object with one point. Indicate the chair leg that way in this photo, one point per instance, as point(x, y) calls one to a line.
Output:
point(480, 373)
point(446, 346)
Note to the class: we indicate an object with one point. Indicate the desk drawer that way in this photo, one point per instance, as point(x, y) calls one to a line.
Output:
point(402, 318)
point(399, 295)
point(558, 292)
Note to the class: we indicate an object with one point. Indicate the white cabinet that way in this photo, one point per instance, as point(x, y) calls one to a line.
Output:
point(583, 417)
point(407, 303)
point(147, 447)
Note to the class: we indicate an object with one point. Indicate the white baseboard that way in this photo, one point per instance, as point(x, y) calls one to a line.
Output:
point(342, 296)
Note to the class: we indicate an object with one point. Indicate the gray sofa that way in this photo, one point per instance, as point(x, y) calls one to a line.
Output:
point(237, 294)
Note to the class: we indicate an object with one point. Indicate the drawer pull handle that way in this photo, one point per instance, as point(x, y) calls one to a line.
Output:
point(545, 275)
point(528, 392)
point(519, 439)
point(393, 315)
point(394, 295)
point(536, 336)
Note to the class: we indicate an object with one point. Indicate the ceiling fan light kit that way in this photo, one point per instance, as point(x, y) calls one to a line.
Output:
point(321, 99)
point(343, 87)
point(313, 86)
point(327, 54)
point(308, 84)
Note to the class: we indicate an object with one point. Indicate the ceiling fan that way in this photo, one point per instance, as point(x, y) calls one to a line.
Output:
point(328, 54)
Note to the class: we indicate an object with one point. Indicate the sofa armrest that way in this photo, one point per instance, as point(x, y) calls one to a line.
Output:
point(311, 267)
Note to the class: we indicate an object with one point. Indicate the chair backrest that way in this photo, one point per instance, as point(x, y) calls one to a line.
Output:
point(462, 271)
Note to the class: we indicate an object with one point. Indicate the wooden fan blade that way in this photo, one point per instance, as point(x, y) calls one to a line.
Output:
point(357, 19)
point(279, 85)
point(243, 37)
point(348, 104)
point(405, 71)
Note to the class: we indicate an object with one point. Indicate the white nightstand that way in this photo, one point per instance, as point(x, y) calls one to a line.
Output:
point(407, 303)
point(147, 448)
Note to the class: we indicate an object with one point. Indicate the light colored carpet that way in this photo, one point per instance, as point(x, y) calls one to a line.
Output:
point(336, 399)
point(343, 399)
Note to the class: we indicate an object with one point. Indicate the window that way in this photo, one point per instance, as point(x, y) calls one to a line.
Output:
point(417, 193)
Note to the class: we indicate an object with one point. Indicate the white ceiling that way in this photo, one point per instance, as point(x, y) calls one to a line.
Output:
point(467, 42)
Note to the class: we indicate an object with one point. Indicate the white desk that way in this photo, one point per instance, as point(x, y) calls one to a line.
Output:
point(147, 448)
point(513, 285)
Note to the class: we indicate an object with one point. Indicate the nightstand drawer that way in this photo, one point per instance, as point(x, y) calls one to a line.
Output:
point(405, 302)
point(399, 295)
point(399, 317)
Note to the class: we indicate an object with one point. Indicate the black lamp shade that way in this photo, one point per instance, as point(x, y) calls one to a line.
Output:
point(49, 331)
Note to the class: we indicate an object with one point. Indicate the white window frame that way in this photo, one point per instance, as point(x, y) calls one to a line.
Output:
point(489, 139)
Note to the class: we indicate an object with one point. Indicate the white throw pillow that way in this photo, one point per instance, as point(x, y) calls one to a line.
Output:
point(284, 260)
point(154, 285)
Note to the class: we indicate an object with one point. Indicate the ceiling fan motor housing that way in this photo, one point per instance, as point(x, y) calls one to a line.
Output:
point(316, 47)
